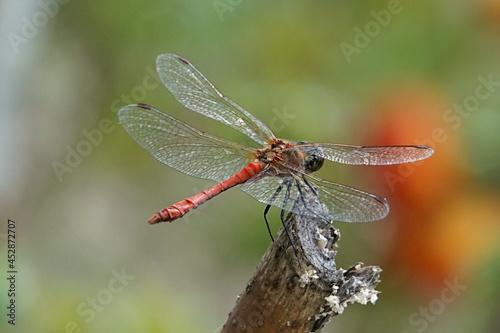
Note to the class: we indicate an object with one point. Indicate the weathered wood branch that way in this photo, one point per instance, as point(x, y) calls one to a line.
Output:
point(300, 290)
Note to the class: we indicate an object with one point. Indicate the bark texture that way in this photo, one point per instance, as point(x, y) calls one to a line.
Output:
point(299, 288)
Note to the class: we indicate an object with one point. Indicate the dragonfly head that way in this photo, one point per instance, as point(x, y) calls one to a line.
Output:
point(312, 158)
point(313, 162)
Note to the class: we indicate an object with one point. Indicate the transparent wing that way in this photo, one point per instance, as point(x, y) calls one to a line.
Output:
point(193, 90)
point(349, 204)
point(295, 192)
point(368, 155)
point(181, 146)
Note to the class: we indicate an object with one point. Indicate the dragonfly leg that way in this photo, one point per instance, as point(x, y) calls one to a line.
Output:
point(312, 188)
point(302, 197)
point(268, 207)
point(266, 210)
point(282, 216)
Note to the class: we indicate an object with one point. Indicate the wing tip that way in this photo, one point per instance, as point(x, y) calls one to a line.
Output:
point(165, 56)
point(143, 106)
point(129, 108)
point(383, 209)
point(429, 150)
point(424, 152)
point(184, 60)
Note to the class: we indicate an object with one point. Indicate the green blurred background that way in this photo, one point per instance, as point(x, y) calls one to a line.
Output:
point(368, 72)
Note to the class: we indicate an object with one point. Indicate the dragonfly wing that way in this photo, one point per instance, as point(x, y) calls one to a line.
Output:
point(349, 204)
point(181, 146)
point(285, 192)
point(307, 195)
point(193, 90)
point(368, 155)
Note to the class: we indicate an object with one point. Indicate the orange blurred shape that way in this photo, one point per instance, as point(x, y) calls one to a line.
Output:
point(414, 116)
point(466, 230)
point(438, 223)
point(490, 10)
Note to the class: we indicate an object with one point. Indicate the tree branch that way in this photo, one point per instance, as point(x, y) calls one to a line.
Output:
point(300, 291)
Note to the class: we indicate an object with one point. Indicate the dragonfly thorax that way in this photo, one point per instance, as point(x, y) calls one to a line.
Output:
point(273, 151)
point(281, 154)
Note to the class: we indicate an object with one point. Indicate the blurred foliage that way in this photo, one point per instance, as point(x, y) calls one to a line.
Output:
point(91, 57)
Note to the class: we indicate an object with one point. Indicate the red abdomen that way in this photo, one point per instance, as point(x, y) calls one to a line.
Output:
point(181, 208)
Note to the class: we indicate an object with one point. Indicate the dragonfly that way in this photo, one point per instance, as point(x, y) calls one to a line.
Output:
point(279, 173)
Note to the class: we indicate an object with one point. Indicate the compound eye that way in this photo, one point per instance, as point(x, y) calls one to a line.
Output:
point(314, 163)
